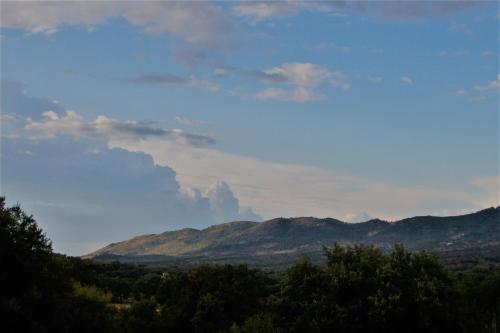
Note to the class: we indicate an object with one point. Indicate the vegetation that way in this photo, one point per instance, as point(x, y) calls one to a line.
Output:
point(359, 288)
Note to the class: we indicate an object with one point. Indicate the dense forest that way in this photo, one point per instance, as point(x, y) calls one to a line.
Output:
point(357, 289)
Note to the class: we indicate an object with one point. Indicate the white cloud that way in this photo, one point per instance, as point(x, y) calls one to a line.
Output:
point(223, 203)
point(277, 189)
point(202, 26)
point(197, 22)
point(406, 79)
point(91, 193)
point(273, 93)
point(357, 218)
point(303, 76)
point(74, 125)
point(490, 86)
point(46, 17)
point(299, 94)
point(300, 74)
point(480, 92)
point(260, 11)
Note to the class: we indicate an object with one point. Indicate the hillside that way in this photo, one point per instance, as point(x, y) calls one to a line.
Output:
point(282, 240)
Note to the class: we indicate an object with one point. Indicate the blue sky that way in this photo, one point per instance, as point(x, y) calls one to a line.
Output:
point(188, 114)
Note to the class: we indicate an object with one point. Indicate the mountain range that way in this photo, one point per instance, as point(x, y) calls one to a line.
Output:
point(280, 241)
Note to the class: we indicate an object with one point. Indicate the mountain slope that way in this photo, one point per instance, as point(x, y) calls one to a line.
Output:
point(282, 240)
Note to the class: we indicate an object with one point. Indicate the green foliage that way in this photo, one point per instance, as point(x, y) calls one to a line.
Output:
point(261, 323)
point(146, 286)
point(211, 298)
point(141, 317)
point(29, 281)
point(36, 292)
point(358, 288)
point(91, 293)
point(361, 289)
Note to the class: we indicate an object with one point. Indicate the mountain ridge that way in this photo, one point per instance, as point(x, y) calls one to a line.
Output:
point(281, 240)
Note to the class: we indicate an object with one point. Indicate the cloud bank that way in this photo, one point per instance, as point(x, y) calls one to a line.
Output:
point(83, 192)
point(106, 128)
point(202, 29)
point(278, 189)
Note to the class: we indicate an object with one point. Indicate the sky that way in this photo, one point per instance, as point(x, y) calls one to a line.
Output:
point(128, 118)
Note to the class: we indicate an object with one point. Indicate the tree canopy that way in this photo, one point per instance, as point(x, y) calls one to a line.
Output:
point(357, 288)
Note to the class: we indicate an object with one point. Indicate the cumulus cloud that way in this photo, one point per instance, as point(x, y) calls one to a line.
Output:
point(300, 94)
point(357, 218)
point(201, 27)
point(223, 203)
point(304, 77)
point(46, 17)
point(490, 86)
point(277, 189)
point(198, 23)
point(84, 192)
point(406, 79)
point(480, 92)
point(260, 11)
point(45, 118)
point(106, 128)
point(77, 185)
point(300, 74)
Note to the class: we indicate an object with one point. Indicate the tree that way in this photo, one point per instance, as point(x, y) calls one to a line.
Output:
point(363, 289)
point(30, 281)
point(36, 293)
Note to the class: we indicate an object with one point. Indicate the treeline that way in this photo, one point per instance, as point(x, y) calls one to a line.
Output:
point(358, 289)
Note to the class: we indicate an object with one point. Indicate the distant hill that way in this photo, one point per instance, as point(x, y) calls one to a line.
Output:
point(281, 241)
